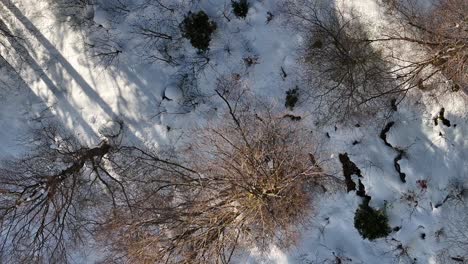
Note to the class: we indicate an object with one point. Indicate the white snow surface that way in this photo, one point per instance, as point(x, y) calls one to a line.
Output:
point(59, 81)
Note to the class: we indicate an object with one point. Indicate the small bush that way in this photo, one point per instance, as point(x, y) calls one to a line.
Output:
point(240, 8)
point(198, 28)
point(371, 223)
point(292, 96)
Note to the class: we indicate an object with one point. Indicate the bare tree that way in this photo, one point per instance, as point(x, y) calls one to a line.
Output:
point(346, 74)
point(49, 198)
point(246, 182)
point(440, 29)
point(455, 234)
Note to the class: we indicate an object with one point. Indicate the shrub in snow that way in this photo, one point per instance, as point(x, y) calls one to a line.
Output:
point(371, 223)
point(251, 60)
point(198, 28)
point(240, 8)
point(292, 96)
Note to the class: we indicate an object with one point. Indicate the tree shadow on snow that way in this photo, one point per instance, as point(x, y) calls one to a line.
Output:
point(53, 76)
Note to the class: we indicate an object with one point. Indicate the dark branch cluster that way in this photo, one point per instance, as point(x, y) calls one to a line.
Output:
point(48, 196)
point(346, 74)
point(441, 31)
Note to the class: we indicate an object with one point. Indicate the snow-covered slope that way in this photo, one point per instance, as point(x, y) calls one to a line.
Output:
point(56, 79)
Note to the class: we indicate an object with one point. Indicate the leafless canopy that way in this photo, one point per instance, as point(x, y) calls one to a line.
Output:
point(48, 197)
point(440, 28)
point(246, 182)
point(346, 74)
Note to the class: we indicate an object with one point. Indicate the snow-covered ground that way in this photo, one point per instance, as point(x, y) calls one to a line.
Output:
point(56, 79)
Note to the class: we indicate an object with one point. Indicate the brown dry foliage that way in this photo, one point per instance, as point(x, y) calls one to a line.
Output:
point(246, 183)
point(441, 30)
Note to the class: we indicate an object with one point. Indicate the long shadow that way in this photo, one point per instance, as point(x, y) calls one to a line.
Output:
point(24, 54)
point(12, 110)
point(88, 90)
